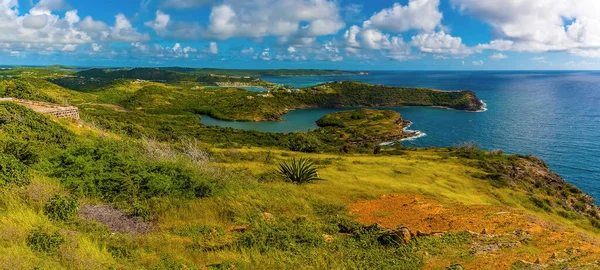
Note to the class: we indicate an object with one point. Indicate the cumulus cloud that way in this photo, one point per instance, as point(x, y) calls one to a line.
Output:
point(357, 39)
point(213, 48)
point(123, 31)
point(258, 19)
point(160, 23)
point(248, 51)
point(478, 63)
point(540, 25)
point(42, 31)
point(440, 43)
point(418, 15)
point(498, 56)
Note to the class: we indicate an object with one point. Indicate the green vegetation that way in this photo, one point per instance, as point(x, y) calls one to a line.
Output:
point(60, 208)
point(365, 125)
point(43, 242)
point(140, 183)
point(299, 171)
point(356, 94)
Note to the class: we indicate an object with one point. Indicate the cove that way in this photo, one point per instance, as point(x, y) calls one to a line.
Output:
point(551, 114)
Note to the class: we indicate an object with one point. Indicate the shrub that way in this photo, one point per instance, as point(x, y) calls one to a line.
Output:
point(22, 151)
point(12, 171)
point(114, 173)
point(304, 142)
point(43, 242)
point(61, 208)
point(141, 211)
point(540, 203)
point(299, 171)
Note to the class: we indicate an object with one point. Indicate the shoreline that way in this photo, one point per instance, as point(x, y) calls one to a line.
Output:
point(415, 135)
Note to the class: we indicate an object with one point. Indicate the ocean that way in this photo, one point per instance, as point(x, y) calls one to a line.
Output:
point(554, 115)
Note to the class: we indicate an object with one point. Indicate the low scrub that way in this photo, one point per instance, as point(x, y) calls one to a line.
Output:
point(12, 171)
point(61, 208)
point(44, 242)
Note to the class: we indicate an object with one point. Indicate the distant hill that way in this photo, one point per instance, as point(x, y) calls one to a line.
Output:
point(265, 72)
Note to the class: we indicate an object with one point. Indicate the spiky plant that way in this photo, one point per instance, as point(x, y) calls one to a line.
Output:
point(299, 171)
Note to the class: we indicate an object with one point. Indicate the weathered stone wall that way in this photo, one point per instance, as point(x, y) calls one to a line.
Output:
point(55, 110)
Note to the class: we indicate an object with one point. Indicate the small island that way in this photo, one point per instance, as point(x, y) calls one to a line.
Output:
point(366, 126)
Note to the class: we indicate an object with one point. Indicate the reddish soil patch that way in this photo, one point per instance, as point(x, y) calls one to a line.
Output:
point(428, 215)
point(116, 220)
point(510, 234)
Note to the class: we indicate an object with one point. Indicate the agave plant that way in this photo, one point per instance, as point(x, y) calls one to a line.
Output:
point(299, 171)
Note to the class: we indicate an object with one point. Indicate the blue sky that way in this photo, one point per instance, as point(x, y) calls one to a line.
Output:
point(336, 34)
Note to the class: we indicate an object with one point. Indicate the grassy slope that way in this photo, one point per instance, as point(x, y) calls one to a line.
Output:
point(203, 231)
point(197, 232)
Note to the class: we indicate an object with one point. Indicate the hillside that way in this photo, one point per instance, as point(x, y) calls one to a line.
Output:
point(78, 197)
point(266, 72)
point(357, 94)
point(229, 103)
point(140, 183)
point(365, 125)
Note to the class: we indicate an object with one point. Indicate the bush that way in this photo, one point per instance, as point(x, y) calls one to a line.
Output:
point(43, 242)
point(299, 171)
point(304, 142)
point(540, 203)
point(12, 171)
point(141, 211)
point(114, 172)
point(61, 208)
point(22, 151)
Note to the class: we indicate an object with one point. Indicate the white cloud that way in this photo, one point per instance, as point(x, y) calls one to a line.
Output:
point(478, 63)
point(248, 51)
point(281, 18)
point(160, 23)
point(123, 31)
point(96, 47)
point(291, 49)
point(498, 56)
point(541, 25)
point(266, 54)
point(418, 15)
point(213, 48)
point(440, 43)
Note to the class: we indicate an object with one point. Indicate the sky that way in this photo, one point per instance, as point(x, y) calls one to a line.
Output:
point(324, 34)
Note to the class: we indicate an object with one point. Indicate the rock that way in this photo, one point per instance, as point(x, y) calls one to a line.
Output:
point(238, 228)
point(455, 266)
point(401, 235)
point(406, 235)
point(328, 238)
point(267, 216)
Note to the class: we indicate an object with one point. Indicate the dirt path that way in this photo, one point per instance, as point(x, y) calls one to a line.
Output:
point(510, 234)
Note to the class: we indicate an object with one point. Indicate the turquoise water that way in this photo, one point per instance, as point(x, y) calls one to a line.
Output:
point(553, 115)
point(255, 89)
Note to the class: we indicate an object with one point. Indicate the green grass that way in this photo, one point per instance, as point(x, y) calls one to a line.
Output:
point(215, 202)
